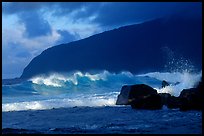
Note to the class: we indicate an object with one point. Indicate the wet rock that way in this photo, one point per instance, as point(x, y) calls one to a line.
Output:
point(191, 99)
point(132, 92)
point(164, 83)
point(164, 97)
point(177, 83)
point(123, 97)
point(142, 96)
point(141, 90)
point(139, 96)
point(151, 102)
point(173, 102)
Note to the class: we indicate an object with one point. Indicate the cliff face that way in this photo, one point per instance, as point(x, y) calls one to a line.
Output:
point(136, 48)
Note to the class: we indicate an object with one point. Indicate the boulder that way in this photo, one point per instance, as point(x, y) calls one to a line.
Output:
point(199, 87)
point(173, 102)
point(123, 97)
point(141, 90)
point(139, 96)
point(151, 102)
point(191, 99)
point(164, 97)
point(131, 92)
point(164, 84)
point(176, 83)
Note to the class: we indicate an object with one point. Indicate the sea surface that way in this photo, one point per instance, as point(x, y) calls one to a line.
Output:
point(80, 102)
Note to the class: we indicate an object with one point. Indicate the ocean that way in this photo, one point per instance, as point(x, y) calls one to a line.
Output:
point(81, 103)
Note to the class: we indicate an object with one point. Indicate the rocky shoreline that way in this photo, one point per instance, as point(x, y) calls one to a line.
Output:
point(141, 96)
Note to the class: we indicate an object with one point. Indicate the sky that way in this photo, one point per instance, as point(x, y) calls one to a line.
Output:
point(28, 28)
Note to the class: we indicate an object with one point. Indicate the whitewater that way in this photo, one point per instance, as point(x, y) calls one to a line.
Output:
point(87, 89)
point(81, 103)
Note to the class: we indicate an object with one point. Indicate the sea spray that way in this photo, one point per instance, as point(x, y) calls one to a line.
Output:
point(178, 81)
point(87, 89)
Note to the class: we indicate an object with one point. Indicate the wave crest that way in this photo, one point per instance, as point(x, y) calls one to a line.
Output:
point(85, 89)
point(58, 80)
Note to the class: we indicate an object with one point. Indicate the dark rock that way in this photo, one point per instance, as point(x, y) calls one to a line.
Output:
point(139, 96)
point(177, 83)
point(164, 84)
point(173, 102)
point(199, 87)
point(142, 96)
point(132, 92)
point(141, 90)
point(191, 99)
point(123, 97)
point(164, 97)
point(151, 102)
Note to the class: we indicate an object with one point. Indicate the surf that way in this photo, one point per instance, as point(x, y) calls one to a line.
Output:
point(59, 90)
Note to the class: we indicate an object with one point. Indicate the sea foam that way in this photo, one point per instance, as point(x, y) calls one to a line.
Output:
point(178, 81)
point(94, 100)
point(87, 89)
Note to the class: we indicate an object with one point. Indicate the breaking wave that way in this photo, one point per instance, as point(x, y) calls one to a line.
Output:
point(178, 81)
point(94, 100)
point(86, 89)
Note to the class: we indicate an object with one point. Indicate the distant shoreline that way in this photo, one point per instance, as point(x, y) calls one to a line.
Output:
point(12, 81)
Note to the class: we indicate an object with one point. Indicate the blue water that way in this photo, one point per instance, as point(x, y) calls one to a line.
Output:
point(85, 103)
point(103, 120)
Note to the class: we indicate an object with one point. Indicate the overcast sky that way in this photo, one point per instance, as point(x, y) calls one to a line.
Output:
point(28, 28)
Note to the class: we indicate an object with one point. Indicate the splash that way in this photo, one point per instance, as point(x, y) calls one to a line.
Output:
point(175, 62)
point(86, 89)
point(178, 81)
point(57, 80)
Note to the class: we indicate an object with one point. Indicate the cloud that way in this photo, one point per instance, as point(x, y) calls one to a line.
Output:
point(34, 15)
point(9, 8)
point(78, 10)
point(28, 28)
point(132, 12)
point(14, 59)
point(74, 10)
point(30, 15)
point(107, 13)
point(66, 37)
point(18, 50)
point(35, 25)
point(59, 8)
